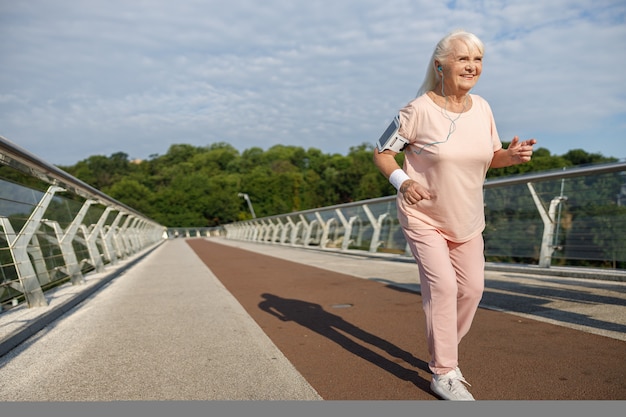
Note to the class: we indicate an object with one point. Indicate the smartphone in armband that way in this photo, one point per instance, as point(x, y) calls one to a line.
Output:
point(391, 139)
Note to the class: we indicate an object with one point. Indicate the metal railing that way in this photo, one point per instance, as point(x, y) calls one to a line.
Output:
point(61, 230)
point(570, 217)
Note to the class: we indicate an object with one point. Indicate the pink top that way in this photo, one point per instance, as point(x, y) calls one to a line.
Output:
point(453, 169)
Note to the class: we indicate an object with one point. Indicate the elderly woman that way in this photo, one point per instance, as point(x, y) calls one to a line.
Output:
point(452, 142)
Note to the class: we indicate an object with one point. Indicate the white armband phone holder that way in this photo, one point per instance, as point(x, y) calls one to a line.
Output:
point(391, 139)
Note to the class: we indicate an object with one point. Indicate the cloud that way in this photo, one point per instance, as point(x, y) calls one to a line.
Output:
point(97, 77)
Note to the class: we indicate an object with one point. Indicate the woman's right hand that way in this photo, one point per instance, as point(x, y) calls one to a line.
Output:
point(413, 192)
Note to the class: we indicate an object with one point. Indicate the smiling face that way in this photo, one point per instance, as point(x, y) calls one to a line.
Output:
point(461, 68)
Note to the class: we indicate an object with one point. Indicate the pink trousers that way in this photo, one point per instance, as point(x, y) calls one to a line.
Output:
point(452, 281)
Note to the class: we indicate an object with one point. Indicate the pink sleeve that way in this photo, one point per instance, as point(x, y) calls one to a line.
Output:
point(408, 125)
point(495, 138)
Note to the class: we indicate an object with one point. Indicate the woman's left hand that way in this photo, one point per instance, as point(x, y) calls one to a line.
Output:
point(520, 152)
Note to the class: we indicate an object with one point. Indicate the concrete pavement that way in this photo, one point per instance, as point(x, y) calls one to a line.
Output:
point(164, 330)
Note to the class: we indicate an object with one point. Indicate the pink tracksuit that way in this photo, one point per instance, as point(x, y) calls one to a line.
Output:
point(445, 233)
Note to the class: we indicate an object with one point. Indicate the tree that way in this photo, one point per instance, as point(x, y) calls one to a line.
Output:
point(199, 185)
point(133, 194)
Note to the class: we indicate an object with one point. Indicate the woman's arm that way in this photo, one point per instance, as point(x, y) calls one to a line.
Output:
point(412, 192)
point(517, 153)
point(386, 162)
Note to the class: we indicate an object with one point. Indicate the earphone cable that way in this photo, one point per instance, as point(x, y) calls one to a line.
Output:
point(444, 112)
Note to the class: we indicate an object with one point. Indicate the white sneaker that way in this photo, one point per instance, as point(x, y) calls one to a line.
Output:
point(451, 386)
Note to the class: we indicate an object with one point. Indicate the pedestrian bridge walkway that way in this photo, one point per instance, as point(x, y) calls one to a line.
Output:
point(217, 319)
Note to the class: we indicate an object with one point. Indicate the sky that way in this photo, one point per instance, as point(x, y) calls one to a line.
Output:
point(80, 78)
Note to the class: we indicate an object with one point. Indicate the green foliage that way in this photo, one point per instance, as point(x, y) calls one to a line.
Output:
point(193, 186)
point(132, 193)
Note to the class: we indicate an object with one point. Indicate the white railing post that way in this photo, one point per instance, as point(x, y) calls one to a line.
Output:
point(549, 225)
point(18, 246)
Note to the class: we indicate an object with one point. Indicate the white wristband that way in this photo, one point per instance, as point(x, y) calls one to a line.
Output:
point(397, 177)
